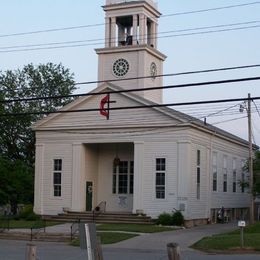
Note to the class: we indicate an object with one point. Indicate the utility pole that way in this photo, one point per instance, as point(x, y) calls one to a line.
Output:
point(250, 160)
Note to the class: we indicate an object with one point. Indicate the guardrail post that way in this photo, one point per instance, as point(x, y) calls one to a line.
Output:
point(173, 250)
point(31, 252)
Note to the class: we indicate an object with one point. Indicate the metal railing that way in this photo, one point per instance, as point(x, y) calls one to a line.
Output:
point(100, 208)
point(74, 228)
point(4, 223)
point(38, 226)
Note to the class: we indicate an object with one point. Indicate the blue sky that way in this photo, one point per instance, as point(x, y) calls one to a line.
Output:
point(185, 53)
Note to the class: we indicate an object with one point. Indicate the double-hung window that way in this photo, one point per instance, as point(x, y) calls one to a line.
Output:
point(214, 172)
point(234, 175)
point(160, 178)
point(224, 173)
point(198, 174)
point(57, 173)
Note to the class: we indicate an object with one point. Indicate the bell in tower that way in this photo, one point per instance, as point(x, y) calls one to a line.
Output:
point(131, 46)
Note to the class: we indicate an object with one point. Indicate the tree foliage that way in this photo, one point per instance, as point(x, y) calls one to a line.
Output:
point(256, 173)
point(16, 137)
point(256, 169)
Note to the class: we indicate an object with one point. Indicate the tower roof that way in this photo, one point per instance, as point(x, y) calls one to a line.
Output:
point(112, 2)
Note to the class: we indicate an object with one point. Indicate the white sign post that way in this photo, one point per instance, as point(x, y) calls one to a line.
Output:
point(241, 224)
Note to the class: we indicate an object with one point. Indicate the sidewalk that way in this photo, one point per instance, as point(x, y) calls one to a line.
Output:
point(184, 237)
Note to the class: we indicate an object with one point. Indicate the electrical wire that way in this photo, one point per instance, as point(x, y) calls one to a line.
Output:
point(158, 76)
point(131, 107)
point(102, 24)
point(211, 9)
point(197, 84)
point(114, 40)
point(256, 108)
point(162, 37)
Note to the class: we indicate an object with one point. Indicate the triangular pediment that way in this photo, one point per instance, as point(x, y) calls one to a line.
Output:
point(138, 117)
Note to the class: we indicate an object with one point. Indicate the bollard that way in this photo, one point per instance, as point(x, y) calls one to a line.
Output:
point(31, 252)
point(173, 250)
point(99, 254)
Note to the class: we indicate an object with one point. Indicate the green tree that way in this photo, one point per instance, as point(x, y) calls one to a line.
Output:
point(256, 173)
point(256, 169)
point(16, 137)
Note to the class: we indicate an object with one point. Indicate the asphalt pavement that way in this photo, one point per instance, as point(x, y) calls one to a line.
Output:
point(143, 247)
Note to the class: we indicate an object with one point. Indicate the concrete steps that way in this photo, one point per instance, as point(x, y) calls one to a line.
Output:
point(107, 217)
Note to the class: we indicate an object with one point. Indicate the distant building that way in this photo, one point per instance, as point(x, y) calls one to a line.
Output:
point(148, 160)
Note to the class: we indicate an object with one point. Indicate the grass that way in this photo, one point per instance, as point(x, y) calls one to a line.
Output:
point(139, 228)
point(108, 238)
point(24, 224)
point(231, 241)
point(114, 237)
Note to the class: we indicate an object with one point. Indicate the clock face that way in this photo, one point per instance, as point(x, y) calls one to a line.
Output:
point(120, 67)
point(153, 70)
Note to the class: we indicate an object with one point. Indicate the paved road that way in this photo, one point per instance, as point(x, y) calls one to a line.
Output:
point(145, 247)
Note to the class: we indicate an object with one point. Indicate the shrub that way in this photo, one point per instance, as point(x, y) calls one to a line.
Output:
point(28, 214)
point(177, 218)
point(164, 219)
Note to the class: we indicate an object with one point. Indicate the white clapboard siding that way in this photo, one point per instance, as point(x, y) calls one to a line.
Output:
point(131, 117)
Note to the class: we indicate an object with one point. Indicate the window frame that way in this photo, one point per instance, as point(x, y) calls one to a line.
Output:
point(160, 172)
point(234, 175)
point(225, 173)
point(123, 174)
point(198, 173)
point(215, 172)
point(57, 177)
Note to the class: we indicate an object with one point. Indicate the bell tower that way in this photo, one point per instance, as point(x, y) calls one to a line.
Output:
point(131, 47)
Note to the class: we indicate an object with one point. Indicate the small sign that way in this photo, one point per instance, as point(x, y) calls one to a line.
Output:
point(241, 223)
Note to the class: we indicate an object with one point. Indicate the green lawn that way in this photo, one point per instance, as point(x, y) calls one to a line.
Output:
point(114, 237)
point(133, 228)
point(108, 238)
point(19, 224)
point(231, 240)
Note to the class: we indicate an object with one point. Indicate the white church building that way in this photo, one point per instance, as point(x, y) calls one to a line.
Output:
point(145, 159)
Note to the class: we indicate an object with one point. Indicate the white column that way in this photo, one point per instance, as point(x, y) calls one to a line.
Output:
point(107, 32)
point(113, 32)
point(78, 180)
point(142, 28)
point(138, 177)
point(38, 179)
point(155, 35)
point(135, 19)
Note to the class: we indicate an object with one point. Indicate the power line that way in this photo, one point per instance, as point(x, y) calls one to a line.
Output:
point(101, 24)
point(256, 108)
point(132, 107)
point(94, 44)
point(101, 41)
point(229, 120)
point(133, 90)
point(211, 9)
point(164, 75)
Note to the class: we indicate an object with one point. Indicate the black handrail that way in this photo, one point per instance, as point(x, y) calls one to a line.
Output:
point(100, 208)
point(73, 230)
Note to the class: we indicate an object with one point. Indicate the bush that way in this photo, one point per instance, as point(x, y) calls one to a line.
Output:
point(177, 219)
point(28, 214)
point(164, 219)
